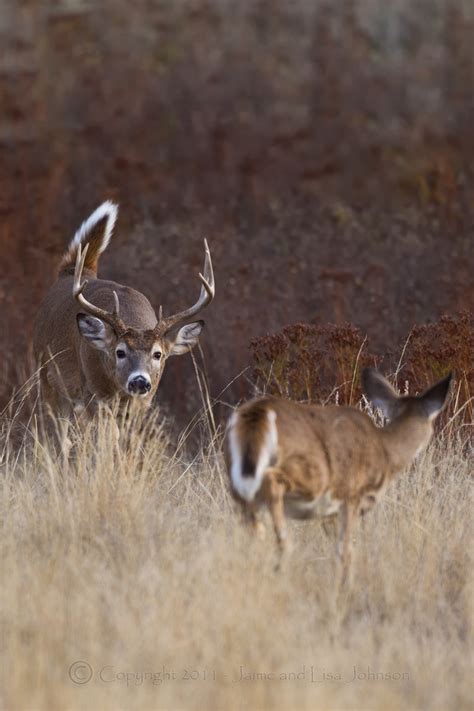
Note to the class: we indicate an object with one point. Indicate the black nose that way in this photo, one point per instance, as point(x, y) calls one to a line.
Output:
point(139, 385)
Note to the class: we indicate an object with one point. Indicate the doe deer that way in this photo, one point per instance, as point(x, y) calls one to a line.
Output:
point(95, 338)
point(306, 460)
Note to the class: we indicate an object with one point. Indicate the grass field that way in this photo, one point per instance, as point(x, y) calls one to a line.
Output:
point(129, 583)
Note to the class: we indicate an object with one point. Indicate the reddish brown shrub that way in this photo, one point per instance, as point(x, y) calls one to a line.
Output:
point(321, 362)
point(312, 362)
point(436, 348)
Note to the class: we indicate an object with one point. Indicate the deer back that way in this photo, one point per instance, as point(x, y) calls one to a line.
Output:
point(330, 447)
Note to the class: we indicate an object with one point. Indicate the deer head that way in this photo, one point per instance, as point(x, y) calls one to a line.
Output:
point(412, 416)
point(134, 359)
point(382, 395)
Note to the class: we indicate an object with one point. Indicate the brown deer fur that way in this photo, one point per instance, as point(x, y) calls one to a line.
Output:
point(95, 339)
point(307, 460)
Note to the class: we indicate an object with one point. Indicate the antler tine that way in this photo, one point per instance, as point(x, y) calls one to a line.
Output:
point(206, 295)
point(112, 318)
point(208, 278)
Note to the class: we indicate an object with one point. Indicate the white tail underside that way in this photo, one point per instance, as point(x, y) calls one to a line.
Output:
point(107, 210)
point(247, 487)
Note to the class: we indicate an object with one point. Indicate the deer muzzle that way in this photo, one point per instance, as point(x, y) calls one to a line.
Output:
point(139, 384)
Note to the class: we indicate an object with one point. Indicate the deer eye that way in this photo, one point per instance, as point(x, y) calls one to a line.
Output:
point(157, 355)
point(120, 353)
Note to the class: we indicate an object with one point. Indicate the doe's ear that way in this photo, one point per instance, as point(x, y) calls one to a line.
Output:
point(379, 392)
point(186, 338)
point(99, 334)
point(434, 399)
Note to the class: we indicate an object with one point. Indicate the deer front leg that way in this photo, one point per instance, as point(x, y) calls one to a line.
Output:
point(84, 410)
point(54, 410)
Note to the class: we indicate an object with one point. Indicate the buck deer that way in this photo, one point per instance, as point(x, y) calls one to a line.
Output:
point(95, 338)
point(308, 460)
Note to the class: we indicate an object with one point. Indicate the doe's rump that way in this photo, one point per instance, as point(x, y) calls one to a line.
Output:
point(251, 445)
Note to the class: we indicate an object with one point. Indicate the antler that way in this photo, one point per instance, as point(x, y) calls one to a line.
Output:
point(112, 318)
point(205, 298)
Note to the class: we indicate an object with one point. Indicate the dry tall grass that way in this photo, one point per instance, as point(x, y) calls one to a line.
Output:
point(130, 560)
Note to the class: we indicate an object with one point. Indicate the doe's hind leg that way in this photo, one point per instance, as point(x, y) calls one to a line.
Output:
point(347, 518)
point(274, 491)
point(256, 524)
point(329, 525)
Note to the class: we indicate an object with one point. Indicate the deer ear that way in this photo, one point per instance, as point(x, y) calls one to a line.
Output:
point(186, 338)
point(379, 392)
point(99, 334)
point(434, 399)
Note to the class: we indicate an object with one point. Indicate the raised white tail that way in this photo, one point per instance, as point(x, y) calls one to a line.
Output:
point(252, 448)
point(96, 231)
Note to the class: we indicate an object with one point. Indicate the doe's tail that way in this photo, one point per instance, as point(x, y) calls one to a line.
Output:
point(96, 231)
point(252, 441)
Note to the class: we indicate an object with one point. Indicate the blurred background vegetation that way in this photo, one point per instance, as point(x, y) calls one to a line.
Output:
point(325, 149)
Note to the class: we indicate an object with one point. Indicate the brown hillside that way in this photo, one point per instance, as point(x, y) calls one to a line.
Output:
point(327, 154)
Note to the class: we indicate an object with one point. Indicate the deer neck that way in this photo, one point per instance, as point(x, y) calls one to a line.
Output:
point(404, 438)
